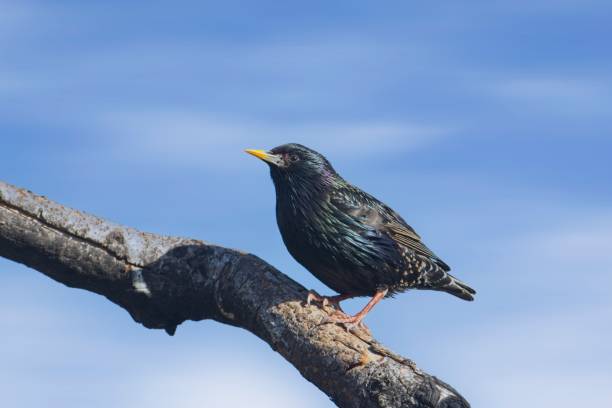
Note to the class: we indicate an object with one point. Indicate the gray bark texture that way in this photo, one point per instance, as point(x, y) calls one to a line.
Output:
point(162, 281)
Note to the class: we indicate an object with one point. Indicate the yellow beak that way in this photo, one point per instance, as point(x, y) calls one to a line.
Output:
point(257, 153)
point(265, 156)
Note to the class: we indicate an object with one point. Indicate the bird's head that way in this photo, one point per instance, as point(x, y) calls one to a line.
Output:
point(294, 165)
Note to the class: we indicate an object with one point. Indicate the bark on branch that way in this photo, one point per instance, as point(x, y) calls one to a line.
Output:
point(163, 281)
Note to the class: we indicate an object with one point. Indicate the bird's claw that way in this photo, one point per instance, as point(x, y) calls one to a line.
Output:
point(312, 296)
point(324, 300)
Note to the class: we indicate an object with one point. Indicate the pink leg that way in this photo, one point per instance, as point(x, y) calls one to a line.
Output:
point(356, 320)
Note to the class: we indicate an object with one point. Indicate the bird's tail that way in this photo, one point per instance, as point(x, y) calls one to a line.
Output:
point(458, 288)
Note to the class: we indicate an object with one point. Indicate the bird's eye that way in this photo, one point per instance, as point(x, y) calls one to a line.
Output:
point(293, 158)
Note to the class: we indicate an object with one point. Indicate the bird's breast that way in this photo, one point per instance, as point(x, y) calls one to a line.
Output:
point(307, 231)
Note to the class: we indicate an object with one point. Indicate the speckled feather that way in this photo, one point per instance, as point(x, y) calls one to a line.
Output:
point(348, 239)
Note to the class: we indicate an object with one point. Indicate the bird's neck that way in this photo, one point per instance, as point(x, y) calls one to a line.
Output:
point(297, 196)
point(299, 191)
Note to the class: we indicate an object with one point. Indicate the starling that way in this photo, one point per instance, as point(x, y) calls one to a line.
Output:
point(349, 240)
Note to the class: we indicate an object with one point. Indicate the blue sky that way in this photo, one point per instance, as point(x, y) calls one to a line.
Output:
point(485, 124)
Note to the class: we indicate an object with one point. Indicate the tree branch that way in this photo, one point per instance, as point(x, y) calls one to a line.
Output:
point(163, 281)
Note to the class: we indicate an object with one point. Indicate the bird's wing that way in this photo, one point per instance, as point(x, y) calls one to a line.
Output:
point(367, 210)
point(403, 234)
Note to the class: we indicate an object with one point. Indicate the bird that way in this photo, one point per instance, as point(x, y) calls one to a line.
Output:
point(349, 240)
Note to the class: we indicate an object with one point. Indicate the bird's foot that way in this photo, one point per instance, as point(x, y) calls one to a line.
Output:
point(338, 315)
point(352, 322)
point(313, 297)
point(325, 301)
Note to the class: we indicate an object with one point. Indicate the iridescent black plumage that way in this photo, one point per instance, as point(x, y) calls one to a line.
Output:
point(349, 240)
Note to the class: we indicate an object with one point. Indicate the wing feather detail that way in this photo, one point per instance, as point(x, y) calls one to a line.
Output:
point(368, 211)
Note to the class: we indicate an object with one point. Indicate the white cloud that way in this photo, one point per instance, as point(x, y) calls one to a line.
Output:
point(575, 256)
point(557, 6)
point(13, 15)
point(230, 382)
point(574, 96)
point(586, 239)
point(564, 252)
point(12, 83)
point(200, 140)
point(558, 359)
point(551, 389)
